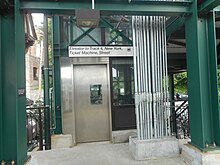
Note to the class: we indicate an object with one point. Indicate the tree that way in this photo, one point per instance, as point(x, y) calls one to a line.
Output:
point(180, 82)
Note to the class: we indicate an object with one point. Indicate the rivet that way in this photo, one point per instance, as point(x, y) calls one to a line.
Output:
point(3, 162)
point(214, 145)
point(12, 162)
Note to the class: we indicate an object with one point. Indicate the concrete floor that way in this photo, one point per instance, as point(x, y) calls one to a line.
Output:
point(100, 153)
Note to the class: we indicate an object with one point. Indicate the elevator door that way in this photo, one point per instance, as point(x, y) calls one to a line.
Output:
point(91, 103)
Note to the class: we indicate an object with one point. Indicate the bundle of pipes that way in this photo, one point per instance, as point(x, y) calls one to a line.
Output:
point(151, 77)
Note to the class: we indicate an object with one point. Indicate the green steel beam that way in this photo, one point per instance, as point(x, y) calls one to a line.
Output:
point(84, 31)
point(108, 24)
point(19, 43)
point(177, 42)
point(208, 5)
point(56, 75)
point(213, 77)
point(202, 80)
point(13, 104)
point(70, 30)
point(172, 103)
point(90, 36)
point(47, 132)
point(1, 135)
point(167, 8)
point(173, 25)
point(113, 39)
point(82, 36)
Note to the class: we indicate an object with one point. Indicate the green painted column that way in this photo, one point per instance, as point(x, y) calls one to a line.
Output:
point(202, 80)
point(1, 145)
point(13, 103)
point(47, 132)
point(56, 75)
point(172, 103)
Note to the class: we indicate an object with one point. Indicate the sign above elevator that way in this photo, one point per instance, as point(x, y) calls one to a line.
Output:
point(107, 51)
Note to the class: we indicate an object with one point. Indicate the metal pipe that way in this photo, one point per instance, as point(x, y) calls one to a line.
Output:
point(46, 87)
point(40, 130)
point(142, 83)
point(145, 77)
point(135, 74)
point(138, 76)
point(161, 80)
point(150, 76)
point(157, 75)
point(166, 72)
point(93, 4)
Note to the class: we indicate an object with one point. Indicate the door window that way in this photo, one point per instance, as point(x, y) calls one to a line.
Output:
point(96, 94)
point(123, 81)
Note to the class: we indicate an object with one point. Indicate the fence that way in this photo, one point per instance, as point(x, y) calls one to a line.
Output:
point(180, 119)
point(34, 125)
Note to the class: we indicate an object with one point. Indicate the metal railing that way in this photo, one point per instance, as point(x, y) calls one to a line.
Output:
point(35, 127)
point(180, 119)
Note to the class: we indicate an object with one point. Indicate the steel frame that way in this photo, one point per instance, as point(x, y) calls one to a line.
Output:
point(201, 61)
point(1, 114)
point(202, 80)
point(12, 86)
point(56, 74)
point(166, 8)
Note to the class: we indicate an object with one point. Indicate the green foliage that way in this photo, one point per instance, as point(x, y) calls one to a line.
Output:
point(38, 103)
point(180, 82)
point(40, 38)
point(218, 71)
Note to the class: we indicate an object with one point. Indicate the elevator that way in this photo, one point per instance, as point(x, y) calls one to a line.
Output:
point(91, 103)
point(97, 92)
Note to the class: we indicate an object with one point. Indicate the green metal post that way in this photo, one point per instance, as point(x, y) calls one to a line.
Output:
point(46, 87)
point(1, 145)
point(92, 38)
point(13, 104)
point(172, 103)
point(103, 40)
point(82, 36)
point(202, 80)
point(106, 23)
point(213, 77)
point(56, 69)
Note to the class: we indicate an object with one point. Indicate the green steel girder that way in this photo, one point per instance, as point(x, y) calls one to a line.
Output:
point(113, 39)
point(173, 25)
point(1, 144)
point(82, 36)
point(202, 80)
point(47, 113)
point(208, 5)
point(56, 75)
point(172, 103)
point(90, 36)
point(108, 24)
point(166, 8)
point(203, 8)
point(177, 42)
point(13, 104)
point(84, 32)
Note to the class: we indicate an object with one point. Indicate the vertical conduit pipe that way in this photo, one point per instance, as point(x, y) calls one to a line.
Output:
point(151, 83)
point(134, 24)
point(46, 87)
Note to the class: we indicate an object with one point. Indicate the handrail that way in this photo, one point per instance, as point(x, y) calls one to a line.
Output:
point(39, 107)
point(39, 124)
point(180, 118)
